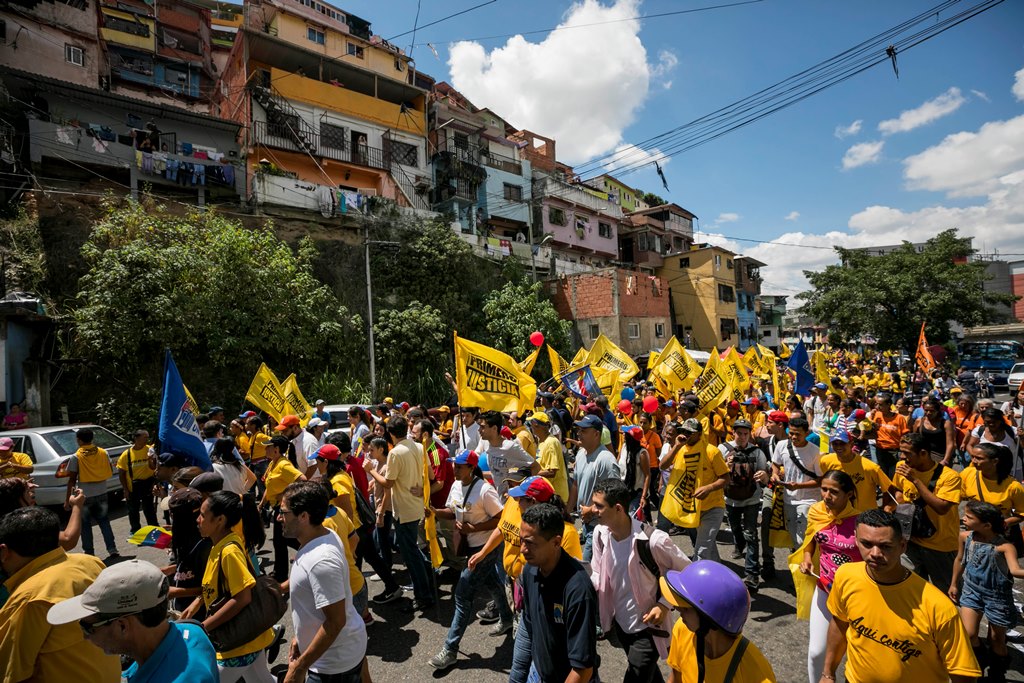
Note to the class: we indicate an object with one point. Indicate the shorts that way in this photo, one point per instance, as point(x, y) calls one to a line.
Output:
point(998, 608)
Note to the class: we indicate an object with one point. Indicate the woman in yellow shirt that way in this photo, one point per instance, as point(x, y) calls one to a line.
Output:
point(988, 480)
point(229, 567)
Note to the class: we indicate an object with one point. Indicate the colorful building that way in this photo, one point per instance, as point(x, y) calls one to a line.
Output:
point(748, 300)
point(54, 39)
point(702, 287)
point(583, 229)
point(649, 235)
point(629, 198)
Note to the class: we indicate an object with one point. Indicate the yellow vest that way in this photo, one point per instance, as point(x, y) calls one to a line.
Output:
point(93, 464)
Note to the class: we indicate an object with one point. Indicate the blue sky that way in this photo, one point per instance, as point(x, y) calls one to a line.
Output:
point(596, 88)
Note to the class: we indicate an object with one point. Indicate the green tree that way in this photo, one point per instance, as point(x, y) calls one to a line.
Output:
point(653, 199)
point(412, 346)
point(889, 296)
point(21, 250)
point(515, 311)
point(223, 298)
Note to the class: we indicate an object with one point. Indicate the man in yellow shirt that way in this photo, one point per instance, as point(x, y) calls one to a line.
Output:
point(549, 455)
point(522, 433)
point(135, 469)
point(40, 574)
point(867, 476)
point(90, 467)
point(889, 622)
point(12, 463)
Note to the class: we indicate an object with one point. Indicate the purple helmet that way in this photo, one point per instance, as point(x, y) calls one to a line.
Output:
point(712, 589)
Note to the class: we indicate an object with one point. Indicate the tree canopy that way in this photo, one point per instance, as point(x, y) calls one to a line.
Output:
point(889, 295)
point(653, 199)
point(517, 310)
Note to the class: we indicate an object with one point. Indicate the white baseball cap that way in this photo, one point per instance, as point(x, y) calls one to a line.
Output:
point(124, 588)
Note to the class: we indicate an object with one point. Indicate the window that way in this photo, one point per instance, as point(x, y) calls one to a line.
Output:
point(641, 242)
point(74, 55)
point(659, 330)
point(332, 136)
point(728, 263)
point(727, 326)
point(595, 331)
point(718, 261)
point(556, 216)
point(404, 153)
point(684, 262)
point(677, 243)
point(175, 76)
point(399, 65)
point(604, 230)
point(355, 50)
point(461, 140)
point(634, 330)
point(136, 28)
point(725, 293)
point(513, 193)
point(315, 35)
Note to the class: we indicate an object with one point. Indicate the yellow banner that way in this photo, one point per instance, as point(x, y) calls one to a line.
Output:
point(752, 359)
point(821, 368)
point(713, 384)
point(679, 505)
point(608, 381)
point(652, 358)
point(526, 365)
point(675, 369)
point(736, 371)
point(265, 393)
point(784, 351)
point(491, 380)
point(605, 354)
point(429, 521)
point(296, 402)
point(559, 365)
point(771, 368)
point(579, 359)
point(924, 357)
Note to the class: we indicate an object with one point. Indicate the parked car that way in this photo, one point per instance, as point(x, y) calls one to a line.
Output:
point(51, 447)
point(1015, 378)
point(339, 418)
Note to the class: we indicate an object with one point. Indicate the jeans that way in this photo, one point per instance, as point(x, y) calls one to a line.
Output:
point(259, 468)
point(483, 576)
point(932, 565)
point(281, 545)
point(382, 539)
point(705, 546)
point(796, 520)
point(887, 460)
point(407, 536)
point(743, 521)
point(767, 551)
point(353, 675)
point(141, 495)
point(522, 656)
point(587, 540)
point(96, 509)
point(641, 655)
point(367, 550)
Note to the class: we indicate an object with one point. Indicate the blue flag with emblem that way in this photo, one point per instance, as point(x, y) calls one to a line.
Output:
point(179, 432)
point(581, 383)
point(800, 363)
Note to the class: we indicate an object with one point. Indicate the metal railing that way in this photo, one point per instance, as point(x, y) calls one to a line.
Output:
point(503, 164)
point(272, 135)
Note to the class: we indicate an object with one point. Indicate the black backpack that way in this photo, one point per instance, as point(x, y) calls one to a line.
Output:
point(741, 484)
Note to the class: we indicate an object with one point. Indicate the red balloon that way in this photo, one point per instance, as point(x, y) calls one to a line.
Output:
point(537, 338)
point(625, 407)
point(650, 404)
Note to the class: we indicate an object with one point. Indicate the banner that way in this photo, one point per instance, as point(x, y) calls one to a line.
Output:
point(296, 403)
point(192, 405)
point(429, 520)
point(675, 369)
point(712, 385)
point(778, 534)
point(605, 354)
point(265, 393)
point(491, 380)
point(582, 384)
point(821, 368)
point(559, 365)
point(784, 351)
point(652, 358)
point(580, 358)
point(678, 504)
point(925, 361)
point(526, 365)
point(609, 382)
point(752, 359)
point(736, 371)
point(801, 365)
point(179, 432)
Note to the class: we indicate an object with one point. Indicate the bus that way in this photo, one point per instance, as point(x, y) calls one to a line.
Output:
point(995, 356)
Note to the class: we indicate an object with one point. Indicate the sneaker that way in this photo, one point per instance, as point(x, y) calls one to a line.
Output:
point(387, 596)
point(445, 659)
point(751, 583)
point(737, 553)
point(275, 647)
point(768, 573)
point(408, 588)
point(418, 606)
point(488, 615)
point(601, 635)
point(500, 629)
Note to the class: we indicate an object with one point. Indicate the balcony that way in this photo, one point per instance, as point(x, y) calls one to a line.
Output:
point(552, 187)
point(276, 135)
point(501, 163)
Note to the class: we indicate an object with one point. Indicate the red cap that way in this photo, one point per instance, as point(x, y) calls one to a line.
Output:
point(329, 452)
point(734, 404)
point(535, 487)
point(507, 433)
point(634, 432)
point(287, 421)
point(859, 414)
point(778, 416)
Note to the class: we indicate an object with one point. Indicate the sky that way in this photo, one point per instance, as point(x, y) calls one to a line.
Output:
point(873, 160)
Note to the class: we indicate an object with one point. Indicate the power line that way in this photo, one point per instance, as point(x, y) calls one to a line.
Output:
point(438, 21)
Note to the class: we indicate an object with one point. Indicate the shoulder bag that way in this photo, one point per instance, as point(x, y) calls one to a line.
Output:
point(799, 465)
point(265, 609)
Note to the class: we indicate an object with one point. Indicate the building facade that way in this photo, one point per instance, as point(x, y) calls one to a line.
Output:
point(54, 39)
point(748, 300)
point(702, 284)
point(772, 310)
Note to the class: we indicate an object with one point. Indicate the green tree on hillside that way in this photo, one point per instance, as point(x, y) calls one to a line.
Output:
point(515, 311)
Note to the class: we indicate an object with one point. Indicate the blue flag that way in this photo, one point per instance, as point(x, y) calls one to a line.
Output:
point(179, 432)
point(581, 383)
point(800, 363)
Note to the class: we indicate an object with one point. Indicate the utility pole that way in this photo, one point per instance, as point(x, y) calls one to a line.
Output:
point(369, 305)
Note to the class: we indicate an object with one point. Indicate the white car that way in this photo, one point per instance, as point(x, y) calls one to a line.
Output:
point(1015, 378)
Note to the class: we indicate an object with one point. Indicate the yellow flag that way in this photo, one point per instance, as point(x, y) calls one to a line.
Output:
point(608, 381)
point(580, 358)
point(675, 369)
point(491, 380)
point(713, 384)
point(296, 402)
point(771, 368)
point(784, 351)
point(192, 405)
point(526, 365)
point(736, 371)
point(679, 504)
point(924, 356)
point(429, 521)
point(752, 359)
point(265, 393)
point(652, 358)
point(820, 368)
point(559, 365)
point(605, 354)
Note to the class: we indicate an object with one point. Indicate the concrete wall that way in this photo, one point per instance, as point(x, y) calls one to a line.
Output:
point(1017, 288)
point(35, 43)
point(590, 241)
point(492, 194)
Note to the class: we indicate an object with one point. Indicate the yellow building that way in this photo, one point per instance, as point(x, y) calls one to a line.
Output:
point(702, 285)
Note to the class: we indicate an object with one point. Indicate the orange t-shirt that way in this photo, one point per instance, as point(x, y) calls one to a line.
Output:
point(890, 431)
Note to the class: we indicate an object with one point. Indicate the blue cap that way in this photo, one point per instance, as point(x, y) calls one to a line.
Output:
point(216, 409)
point(841, 435)
point(670, 403)
point(820, 385)
point(590, 422)
point(467, 457)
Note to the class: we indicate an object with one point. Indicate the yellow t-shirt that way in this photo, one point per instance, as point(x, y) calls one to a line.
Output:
point(714, 467)
point(93, 464)
point(277, 478)
point(526, 440)
point(20, 459)
point(140, 468)
point(867, 476)
point(343, 528)
point(947, 534)
point(753, 667)
point(909, 631)
point(228, 557)
point(343, 488)
point(549, 457)
point(258, 446)
point(508, 524)
point(1008, 496)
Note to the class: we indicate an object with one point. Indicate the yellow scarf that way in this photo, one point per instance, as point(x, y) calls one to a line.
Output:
point(93, 464)
point(818, 517)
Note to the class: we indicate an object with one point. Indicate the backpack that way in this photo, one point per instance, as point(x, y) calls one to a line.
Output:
point(741, 484)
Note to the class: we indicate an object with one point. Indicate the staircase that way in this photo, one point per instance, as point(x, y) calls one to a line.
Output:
point(284, 117)
point(417, 200)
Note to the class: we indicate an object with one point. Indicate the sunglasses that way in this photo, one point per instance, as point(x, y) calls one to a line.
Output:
point(91, 628)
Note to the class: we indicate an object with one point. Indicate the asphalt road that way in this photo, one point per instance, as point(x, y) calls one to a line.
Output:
point(400, 645)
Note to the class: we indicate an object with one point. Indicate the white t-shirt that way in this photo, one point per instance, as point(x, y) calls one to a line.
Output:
point(817, 406)
point(809, 457)
point(638, 468)
point(508, 456)
point(483, 504)
point(472, 434)
point(317, 579)
point(305, 446)
point(626, 613)
point(234, 477)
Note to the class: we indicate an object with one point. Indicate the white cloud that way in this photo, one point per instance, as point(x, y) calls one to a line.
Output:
point(582, 88)
point(862, 153)
point(667, 62)
point(980, 95)
point(943, 105)
point(1018, 85)
point(846, 131)
point(969, 164)
point(628, 155)
point(727, 218)
point(792, 216)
